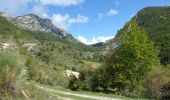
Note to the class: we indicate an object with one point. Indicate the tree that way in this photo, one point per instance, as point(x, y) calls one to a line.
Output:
point(125, 69)
point(133, 58)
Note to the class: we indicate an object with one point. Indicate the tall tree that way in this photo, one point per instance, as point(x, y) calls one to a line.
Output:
point(125, 69)
point(132, 59)
point(134, 56)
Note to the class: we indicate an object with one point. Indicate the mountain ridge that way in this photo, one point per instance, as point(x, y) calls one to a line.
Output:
point(33, 22)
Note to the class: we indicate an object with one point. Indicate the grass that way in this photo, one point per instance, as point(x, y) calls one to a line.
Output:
point(9, 72)
point(34, 93)
point(59, 89)
point(8, 59)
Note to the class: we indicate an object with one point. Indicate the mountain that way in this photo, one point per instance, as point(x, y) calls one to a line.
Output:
point(156, 22)
point(35, 23)
point(44, 50)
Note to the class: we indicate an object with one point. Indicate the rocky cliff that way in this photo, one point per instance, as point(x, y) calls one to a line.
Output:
point(35, 23)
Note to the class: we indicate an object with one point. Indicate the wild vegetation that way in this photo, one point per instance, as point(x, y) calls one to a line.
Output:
point(133, 68)
point(156, 21)
point(9, 74)
point(130, 62)
point(137, 63)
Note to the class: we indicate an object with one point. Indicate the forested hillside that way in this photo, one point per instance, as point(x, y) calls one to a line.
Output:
point(156, 22)
point(137, 59)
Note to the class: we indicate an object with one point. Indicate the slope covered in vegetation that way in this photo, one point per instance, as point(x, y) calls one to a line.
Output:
point(155, 21)
point(137, 60)
point(46, 55)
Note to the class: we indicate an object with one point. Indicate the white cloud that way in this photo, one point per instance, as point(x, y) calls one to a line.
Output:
point(85, 41)
point(61, 2)
point(100, 16)
point(112, 12)
point(79, 19)
point(39, 7)
point(82, 39)
point(104, 38)
point(65, 21)
point(15, 7)
point(94, 40)
point(40, 10)
point(60, 21)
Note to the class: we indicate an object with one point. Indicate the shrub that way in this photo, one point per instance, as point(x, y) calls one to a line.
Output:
point(44, 74)
point(157, 80)
point(76, 84)
point(9, 70)
point(46, 57)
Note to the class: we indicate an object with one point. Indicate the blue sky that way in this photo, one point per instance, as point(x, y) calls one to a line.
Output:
point(90, 21)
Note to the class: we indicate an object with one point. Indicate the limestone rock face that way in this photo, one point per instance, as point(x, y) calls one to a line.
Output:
point(35, 23)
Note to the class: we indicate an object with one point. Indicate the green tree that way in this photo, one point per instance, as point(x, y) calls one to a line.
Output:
point(126, 67)
point(134, 56)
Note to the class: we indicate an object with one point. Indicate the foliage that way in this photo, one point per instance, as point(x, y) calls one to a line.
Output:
point(46, 57)
point(126, 68)
point(157, 82)
point(134, 55)
point(45, 75)
point(156, 21)
point(84, 80)
point(9, 71)
point(76, 84)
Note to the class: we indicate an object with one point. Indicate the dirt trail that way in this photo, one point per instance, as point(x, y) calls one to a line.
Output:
point(75, 94)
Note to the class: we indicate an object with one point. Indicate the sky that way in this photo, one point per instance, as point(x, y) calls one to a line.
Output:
point(89, 21)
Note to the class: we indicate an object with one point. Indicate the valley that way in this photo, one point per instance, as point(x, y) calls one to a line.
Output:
point(39, 61)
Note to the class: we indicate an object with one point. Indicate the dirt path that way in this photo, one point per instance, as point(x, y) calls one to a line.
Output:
point(75, 94)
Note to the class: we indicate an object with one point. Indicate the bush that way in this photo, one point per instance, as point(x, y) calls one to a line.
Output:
point(46, 74)
point(156, 81)
point(9, 70)
point(46, 57)
point(76, 84)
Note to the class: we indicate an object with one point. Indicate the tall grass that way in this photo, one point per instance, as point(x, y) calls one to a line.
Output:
point(9, 70)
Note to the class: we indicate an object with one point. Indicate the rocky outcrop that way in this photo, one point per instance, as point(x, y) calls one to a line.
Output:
point(70, 73)
point(29, 46)
point(35, 23)
point(8, 46)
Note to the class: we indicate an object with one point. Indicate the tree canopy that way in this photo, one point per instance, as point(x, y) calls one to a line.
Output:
point(130, 61)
